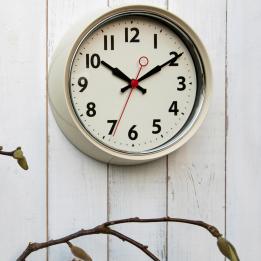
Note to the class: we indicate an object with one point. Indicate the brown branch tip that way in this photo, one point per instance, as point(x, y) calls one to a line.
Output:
point(18, 155)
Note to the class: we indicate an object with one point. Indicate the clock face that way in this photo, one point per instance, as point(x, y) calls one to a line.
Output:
point(134, 84)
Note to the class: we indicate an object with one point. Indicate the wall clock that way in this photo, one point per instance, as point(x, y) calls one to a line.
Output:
point(131, 85)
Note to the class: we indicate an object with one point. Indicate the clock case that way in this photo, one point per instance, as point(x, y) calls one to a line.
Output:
point(59, 95)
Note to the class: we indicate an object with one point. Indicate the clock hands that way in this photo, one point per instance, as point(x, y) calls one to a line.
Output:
point(156, 69)
point(118, 73)
point(115, 71)
point(134, 83)
point(159, 67)
point(143, 61)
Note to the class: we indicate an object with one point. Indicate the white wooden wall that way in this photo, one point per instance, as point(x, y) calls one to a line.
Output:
point(214, 177)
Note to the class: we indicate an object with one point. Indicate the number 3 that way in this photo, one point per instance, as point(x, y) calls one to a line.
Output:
point(182, 83)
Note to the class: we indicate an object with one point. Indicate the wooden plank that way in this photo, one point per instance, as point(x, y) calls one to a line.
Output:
point(138, 191)
point(77, 183)
point(159, 3)
point(22, 117)
point(244, 128)
point(196, 186)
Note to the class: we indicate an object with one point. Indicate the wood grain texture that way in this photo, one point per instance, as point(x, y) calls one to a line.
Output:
point(196, 172)
point(159, 3)
point(138, 191)
point(244, 128)
point(22, 117)
point(77, 183)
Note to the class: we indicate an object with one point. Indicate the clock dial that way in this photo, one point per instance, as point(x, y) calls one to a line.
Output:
point(133, 84)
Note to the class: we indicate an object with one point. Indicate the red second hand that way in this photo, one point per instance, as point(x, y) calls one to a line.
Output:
point(134, 85)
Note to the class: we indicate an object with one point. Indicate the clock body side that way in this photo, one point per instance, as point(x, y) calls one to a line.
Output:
point(61, 105)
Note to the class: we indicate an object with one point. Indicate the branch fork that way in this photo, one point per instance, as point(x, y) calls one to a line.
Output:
point(225, 247)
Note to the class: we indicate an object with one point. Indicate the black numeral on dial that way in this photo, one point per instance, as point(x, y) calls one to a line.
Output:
point(173, 63)
point(82, 82)
point(91, 112)
point(108, 45)
point(114, 122)
point(174, 108)
point(156, 126)
point(93, 60)
point(134, 39)
point(133, 134)
point(182, 83)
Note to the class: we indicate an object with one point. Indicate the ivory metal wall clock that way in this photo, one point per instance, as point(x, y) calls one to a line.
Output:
point(131, 85)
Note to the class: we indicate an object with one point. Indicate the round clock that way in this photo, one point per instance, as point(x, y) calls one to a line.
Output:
point(131, 85)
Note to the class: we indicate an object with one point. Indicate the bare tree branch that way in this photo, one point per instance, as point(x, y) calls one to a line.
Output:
point(105, 229)
point(213, 230)
point(135, 243)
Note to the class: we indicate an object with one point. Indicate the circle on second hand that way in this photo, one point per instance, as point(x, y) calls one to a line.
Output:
point(143, 61)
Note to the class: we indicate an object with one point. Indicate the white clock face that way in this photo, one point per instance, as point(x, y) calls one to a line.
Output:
point(133, 84)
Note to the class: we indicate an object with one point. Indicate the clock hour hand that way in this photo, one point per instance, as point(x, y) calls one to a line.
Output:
point(154, 70)
point(118, 73)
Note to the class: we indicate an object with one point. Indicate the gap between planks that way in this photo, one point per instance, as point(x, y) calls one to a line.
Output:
point(46, 128)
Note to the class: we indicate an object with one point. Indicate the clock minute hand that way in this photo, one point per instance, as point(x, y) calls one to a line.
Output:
point(118, 73)
point(153, 71)
point(159, 67)
point(156, 69)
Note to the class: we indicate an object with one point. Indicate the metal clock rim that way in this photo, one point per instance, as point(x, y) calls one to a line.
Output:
point(197, 114)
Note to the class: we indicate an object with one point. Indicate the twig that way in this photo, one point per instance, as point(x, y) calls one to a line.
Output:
point(135, 243)
point(6, 153)
point(105, 229)
point(213, 230)
point(16, 154)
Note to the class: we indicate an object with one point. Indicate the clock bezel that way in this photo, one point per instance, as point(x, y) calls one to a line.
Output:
point(203, 91)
